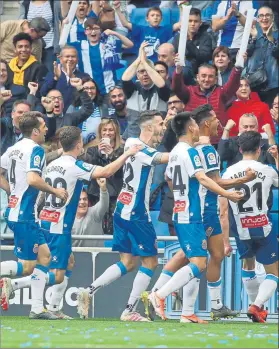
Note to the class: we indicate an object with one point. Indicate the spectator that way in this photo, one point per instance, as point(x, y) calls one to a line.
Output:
point(207, 91)
point(248, 102)
point(5, 96)
point(3, 74)
point(263, 53)
point(54, 106)
point(228, 147)
point(10, 132)
point(162, 69)
point(102, 154)
point(125, 7)
point(166, 53)
point(229, 19)
point(274, 113)
point(150, 92)
point(37, 28)
point(24, 67)
point(60, 78)
point(222, 60)
point(99, 55)
point(154, 34)
point(77, 26)
point(100, 109)
point(199, 42)
point(126, 117)
point(45, 9)
point(89, 219)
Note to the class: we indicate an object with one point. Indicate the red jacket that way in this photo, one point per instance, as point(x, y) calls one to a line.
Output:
point(253, 105)
point(220, 95)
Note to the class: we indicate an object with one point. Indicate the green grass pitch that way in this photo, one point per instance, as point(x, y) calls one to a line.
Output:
point(20, 332)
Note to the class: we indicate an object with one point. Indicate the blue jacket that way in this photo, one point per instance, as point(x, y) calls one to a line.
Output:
point(62, 85)
point(262, 49)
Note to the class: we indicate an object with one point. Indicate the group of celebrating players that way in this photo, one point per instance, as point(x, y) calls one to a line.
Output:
point(201, 196)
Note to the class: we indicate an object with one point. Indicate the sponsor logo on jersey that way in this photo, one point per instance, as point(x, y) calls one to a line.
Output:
point(211, 159)
point(125, 198)
point(254, 222)
point(12, 201)
point(50, 216)
point(197, 161)
point(204, 244)
point(36, 248)
point(179, 206)
point(37, 161)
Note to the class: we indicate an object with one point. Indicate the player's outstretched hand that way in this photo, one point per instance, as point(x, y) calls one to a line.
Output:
point(273, 151)
point(250, 174)
point(134, 149)
point(235, 196)
point(61, 193)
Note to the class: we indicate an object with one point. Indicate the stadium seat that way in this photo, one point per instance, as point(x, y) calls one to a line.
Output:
point(274, 207)
point(119, 72)
point(175, 14)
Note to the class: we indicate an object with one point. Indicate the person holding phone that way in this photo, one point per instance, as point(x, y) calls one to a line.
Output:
point(108, 147)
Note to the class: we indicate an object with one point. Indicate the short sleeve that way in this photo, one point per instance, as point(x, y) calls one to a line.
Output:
point(37, 160)
point(4, 160)
point(209, 158)
point(193, 162)
point(147, 155)
point(84, 170)
point(224, 174)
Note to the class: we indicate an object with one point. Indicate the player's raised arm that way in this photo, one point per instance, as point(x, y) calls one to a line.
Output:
point(211, 185)
point(36, 181)
point(232, 182)
point(109, 170)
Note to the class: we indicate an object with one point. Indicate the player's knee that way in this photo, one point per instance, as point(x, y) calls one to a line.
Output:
point(44, 259)
point(217, 257)
point(28, 268)
point(129, 265)
point(150, 263)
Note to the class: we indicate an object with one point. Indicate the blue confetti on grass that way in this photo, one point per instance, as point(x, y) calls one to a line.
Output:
point(25, 345)
point(131, 330)
point(208, 346)
point(141, 346)
point(126, 339)
point(34, 336)
point(223, 341)
point(161, 346)
point(235, 338)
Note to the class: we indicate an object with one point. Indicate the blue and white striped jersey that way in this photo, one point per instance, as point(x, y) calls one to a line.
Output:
point(251, 213)
point(183, 164)
point(210, 160)
point(23, 157)
point(66, 172)
point(133, 200)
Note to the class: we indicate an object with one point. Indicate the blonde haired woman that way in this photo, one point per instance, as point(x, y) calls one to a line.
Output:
point(108, 147)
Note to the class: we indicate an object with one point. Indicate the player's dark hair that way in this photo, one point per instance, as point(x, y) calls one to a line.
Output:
point(195, 12)
point(179, 123)
point(249, 142)
point(148, 115)
point(21, 101)
point(154, 8)
point(20, 37)
point(202, 113)
point(163, 64)
point(28, 121)
point(69, 137)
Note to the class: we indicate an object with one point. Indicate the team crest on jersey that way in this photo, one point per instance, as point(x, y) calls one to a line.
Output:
point(204, 244)
point(12, 201)
point(87, 167)
point(125, 198)
point(209, 231)
point(36, 248)
point(197, 161)
point(211, 159)
point(37, 161)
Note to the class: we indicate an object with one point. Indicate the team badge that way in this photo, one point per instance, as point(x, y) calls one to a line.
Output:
point(197, 161)
point(37, 160)
point(211, 159)
point(204, 244)
point(87, 167)
point(36, 248)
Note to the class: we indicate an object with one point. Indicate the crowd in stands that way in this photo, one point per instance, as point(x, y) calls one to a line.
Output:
point(120, 59)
